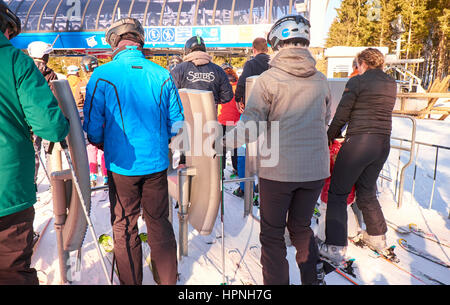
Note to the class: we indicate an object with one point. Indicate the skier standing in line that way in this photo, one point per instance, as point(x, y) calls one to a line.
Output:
point(255, 66)
point(40, 52)
point(197, 71)
point(88, 64)
point(366, 105)
point(131, 107)
point(295, 95)
point(26, 103)
point(227, 114)
point(75, 83)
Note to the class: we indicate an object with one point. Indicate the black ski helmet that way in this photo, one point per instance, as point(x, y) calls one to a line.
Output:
point(89, 63)
point(289, 29)
point(8, 20)
point(124, 26)
point(195, 43)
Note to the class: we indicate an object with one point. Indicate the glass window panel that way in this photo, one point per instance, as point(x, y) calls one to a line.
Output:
point(106, 14)
point(261, 11)
point(187, 12)
point(22, 11)
point(138, 10)
point(280, 8)
point(68, 17)
point(241, 12)
point(14, 4)
point(33, 17)
point(47, 16)
point(205, 12)
point(154, 12)
point(170, 13)
point(122, 9)
point(91, 15)
point(223, 12)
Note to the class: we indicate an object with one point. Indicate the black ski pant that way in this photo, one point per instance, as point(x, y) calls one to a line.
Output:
point(294, 201)
point(127, 194)
point(16, 249)
point(358, 163)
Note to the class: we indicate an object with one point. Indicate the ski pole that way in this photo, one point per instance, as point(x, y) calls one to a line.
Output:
point(43, 166)
point(88, 219)
point(222, 212)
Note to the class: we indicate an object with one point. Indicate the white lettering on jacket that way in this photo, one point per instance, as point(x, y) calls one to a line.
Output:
point(201, 77)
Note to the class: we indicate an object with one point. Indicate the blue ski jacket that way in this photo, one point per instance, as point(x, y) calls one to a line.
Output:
point(131, 107)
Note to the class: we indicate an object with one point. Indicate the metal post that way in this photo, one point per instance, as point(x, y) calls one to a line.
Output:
point(248, 186)
point(434, 177)
point(183, 200)
point(415, 172)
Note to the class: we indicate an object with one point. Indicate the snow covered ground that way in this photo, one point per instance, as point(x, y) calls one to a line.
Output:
point(203, 265)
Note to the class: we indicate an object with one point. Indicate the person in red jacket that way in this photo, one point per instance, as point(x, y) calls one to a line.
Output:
point(228, 114)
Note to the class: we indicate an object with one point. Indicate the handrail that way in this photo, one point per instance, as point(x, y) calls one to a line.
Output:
point(411, 156)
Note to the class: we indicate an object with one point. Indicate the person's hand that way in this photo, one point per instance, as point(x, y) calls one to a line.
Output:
point(240, 107)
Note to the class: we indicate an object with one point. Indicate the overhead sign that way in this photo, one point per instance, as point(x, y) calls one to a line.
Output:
point(155, 37)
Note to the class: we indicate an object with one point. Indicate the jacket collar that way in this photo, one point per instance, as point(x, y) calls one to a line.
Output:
point(127, 51)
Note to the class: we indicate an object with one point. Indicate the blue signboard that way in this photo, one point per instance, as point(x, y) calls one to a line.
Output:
point(155, 37)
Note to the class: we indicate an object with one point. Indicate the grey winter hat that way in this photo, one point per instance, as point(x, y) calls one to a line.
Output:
point(290, 28)
point(124, 26)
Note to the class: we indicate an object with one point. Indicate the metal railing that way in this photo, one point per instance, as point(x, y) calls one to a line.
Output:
point(413, 150)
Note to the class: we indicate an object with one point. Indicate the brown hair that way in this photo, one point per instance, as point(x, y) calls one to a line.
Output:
point(232, 75)
point(372, 57)
point(260, 45)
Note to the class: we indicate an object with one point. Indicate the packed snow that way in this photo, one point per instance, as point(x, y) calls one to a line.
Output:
point(203, 265)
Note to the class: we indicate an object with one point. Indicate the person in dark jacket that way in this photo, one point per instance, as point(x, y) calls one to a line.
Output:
point(255, 66)
point(366, 106)
point(197, 71)
point(40, 52)
point(26, 103)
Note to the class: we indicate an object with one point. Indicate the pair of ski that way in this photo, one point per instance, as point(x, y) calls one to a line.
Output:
point(414, 229)
point(389, 256)
point(107, 244)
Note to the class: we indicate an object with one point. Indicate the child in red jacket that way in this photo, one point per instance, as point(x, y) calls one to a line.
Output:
point(354, 223)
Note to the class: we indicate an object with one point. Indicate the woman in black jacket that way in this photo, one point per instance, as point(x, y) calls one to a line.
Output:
point(366, 106)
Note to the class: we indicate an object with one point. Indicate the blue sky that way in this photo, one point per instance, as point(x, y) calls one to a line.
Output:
point(331, 12)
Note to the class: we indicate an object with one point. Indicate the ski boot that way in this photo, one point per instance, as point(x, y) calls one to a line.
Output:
point(256, 200)
point(93, 179)
point(332, 253)
point(105, 180)
point(320, 273)
point(334, 257)
point(378, 244)
point(238, 192)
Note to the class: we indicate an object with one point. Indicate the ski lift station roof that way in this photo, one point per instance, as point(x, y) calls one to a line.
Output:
point(81, 24)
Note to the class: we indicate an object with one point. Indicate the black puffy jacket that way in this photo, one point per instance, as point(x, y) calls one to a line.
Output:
point(209, 77)
point(254, 66)
point(366, 104)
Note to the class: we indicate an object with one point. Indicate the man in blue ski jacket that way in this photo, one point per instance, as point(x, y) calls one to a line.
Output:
point(130, 111)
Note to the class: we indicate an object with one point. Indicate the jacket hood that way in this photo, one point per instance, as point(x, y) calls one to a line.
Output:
point(198, 58)
point(296, 61)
